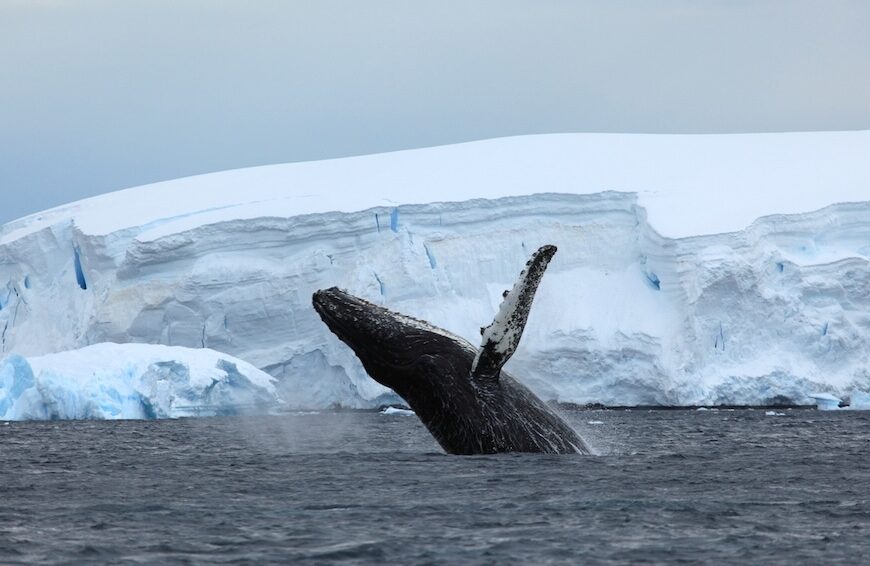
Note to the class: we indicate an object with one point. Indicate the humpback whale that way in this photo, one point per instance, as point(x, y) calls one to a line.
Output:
point(459, 392)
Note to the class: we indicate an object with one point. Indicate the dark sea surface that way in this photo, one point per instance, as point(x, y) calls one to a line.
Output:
point(360, 487)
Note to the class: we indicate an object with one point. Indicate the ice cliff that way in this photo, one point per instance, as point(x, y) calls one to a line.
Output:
point(691, 269)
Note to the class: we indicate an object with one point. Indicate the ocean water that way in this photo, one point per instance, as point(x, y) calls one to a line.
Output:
point(362, 487)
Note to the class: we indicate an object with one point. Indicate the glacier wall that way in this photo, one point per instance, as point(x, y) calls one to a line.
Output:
point(624, 315)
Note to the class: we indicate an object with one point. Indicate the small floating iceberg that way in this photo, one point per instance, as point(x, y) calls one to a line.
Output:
point(825, 401)
point(397, 411)
point(131, 381)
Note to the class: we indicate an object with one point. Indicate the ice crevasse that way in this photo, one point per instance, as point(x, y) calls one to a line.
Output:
point(691, 269)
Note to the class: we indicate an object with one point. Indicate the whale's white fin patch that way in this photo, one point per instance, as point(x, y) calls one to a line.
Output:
point(500, 339)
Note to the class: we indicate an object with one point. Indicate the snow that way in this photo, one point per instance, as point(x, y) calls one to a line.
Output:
point(692, 270)
point(689, 184)
point(131, 381)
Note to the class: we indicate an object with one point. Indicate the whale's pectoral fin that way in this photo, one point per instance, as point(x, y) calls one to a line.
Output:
point(501, 338)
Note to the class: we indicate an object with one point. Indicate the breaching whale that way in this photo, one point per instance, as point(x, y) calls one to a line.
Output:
point(459, 392)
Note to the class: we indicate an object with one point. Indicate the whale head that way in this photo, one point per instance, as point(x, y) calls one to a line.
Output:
point(396, 350)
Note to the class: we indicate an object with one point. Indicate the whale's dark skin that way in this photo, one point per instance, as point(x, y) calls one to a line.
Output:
point(482, 412)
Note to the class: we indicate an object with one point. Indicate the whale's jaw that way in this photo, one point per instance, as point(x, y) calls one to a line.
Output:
point(390, 345)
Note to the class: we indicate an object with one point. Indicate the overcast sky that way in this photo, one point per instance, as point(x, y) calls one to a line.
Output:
point(101, 95)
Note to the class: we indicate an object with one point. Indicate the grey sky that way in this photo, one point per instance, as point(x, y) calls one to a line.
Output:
point(102, 95)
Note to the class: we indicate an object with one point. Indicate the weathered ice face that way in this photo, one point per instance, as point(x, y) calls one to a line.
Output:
point(397, 351)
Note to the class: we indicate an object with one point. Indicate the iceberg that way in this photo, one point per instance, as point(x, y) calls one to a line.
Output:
point(397, 411)
point(692, 270)
point(131, 381)
point(826, 401)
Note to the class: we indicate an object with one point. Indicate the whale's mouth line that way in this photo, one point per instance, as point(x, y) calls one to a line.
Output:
point(344, 314)
point(332, 304)
point(327, 307)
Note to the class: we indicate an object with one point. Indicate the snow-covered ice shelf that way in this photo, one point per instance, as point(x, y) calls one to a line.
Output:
point(691, 269)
